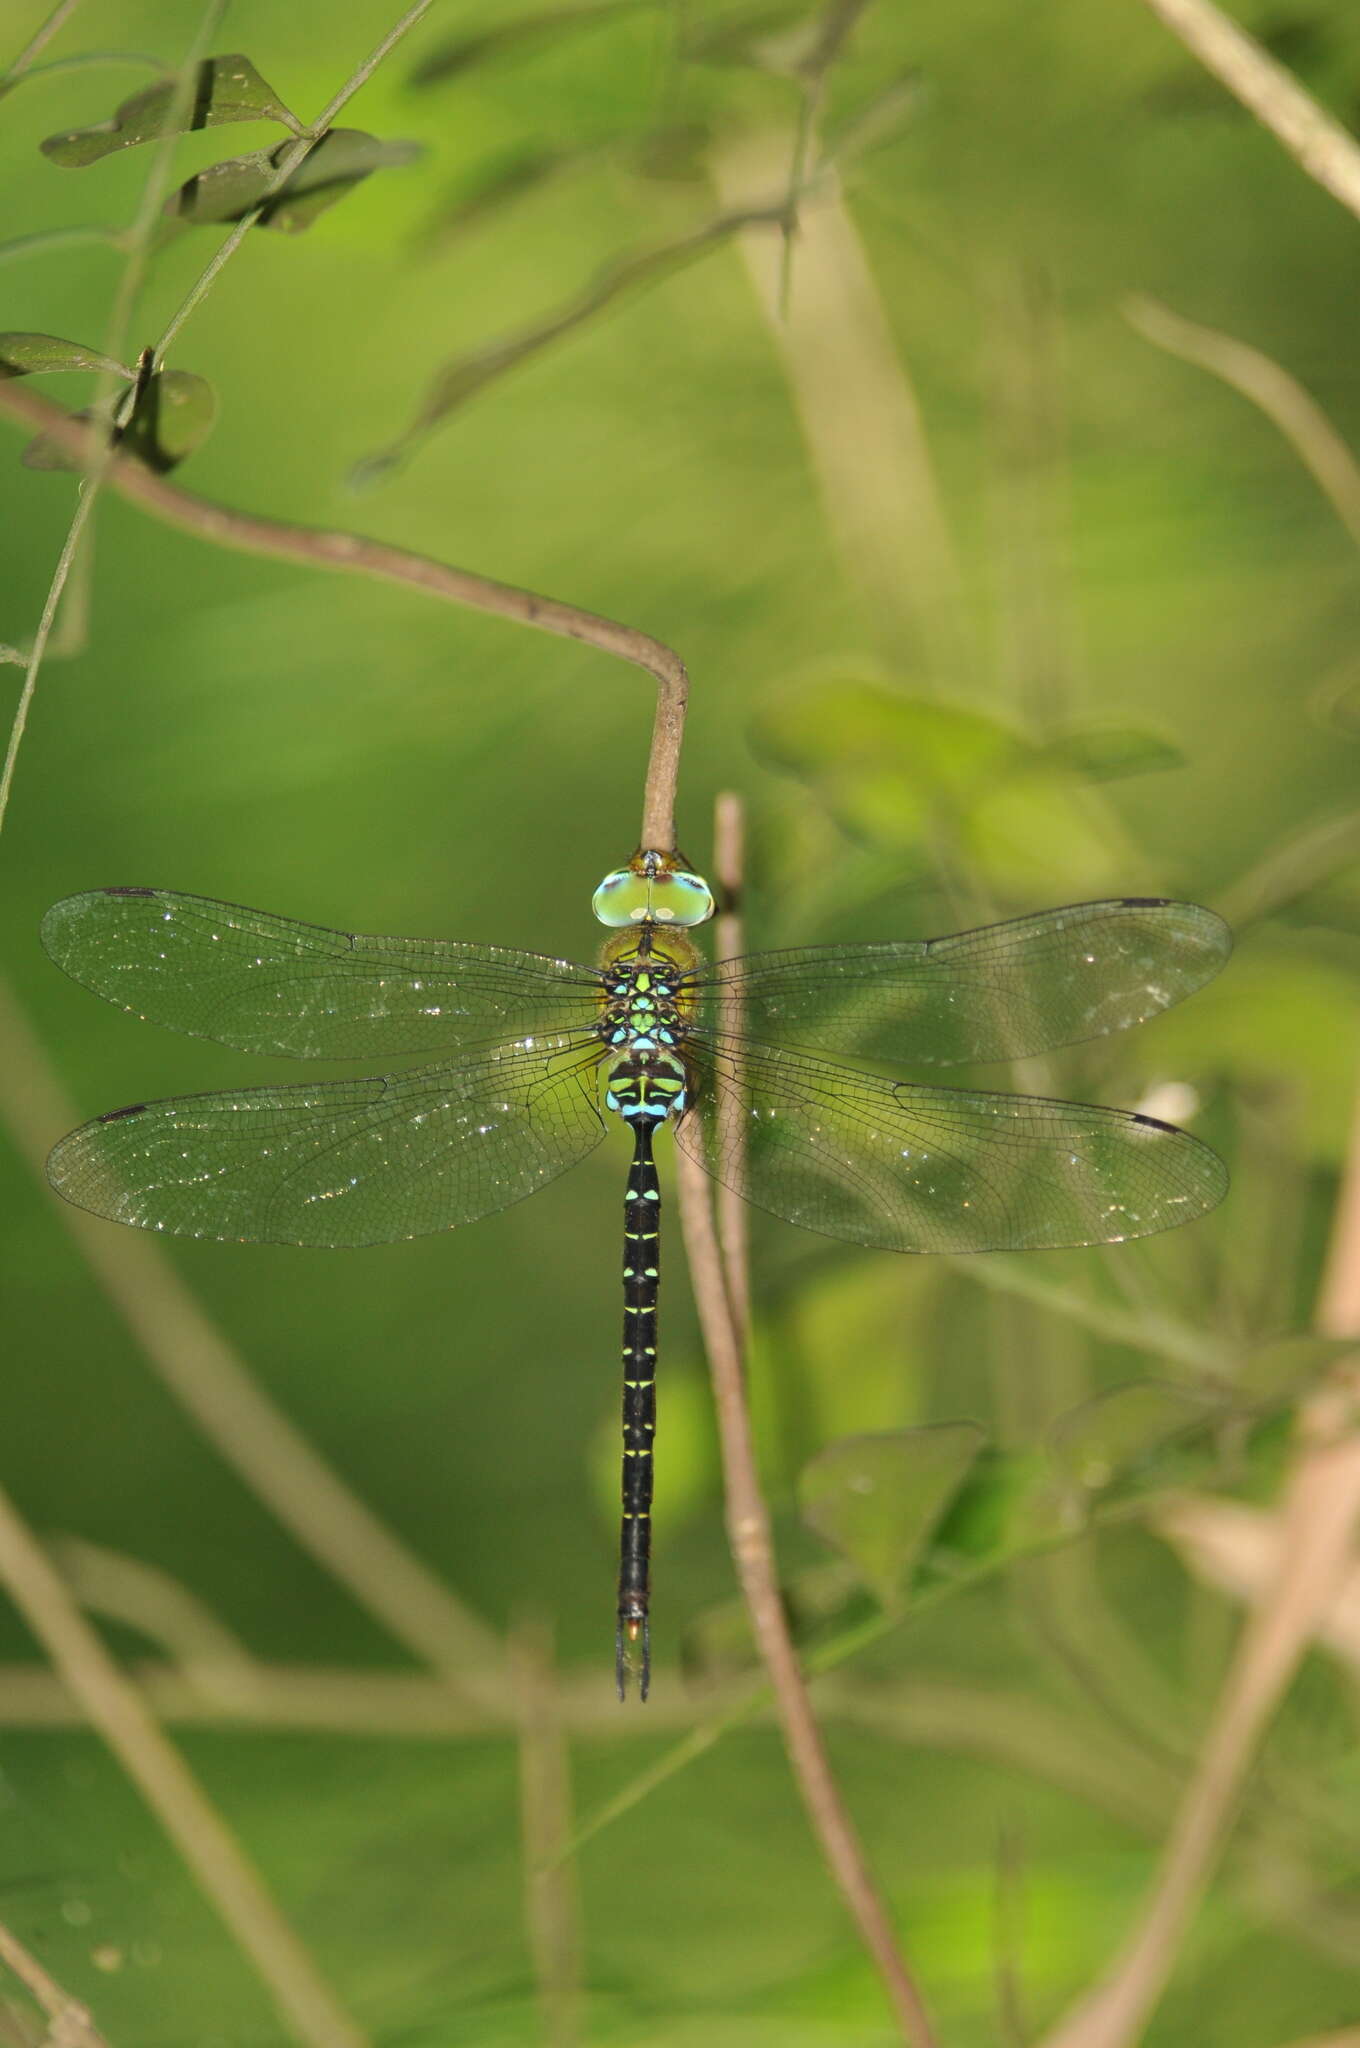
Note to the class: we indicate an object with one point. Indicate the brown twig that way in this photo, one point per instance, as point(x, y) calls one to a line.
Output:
point(72, 2023)
point(118, 1713)
point(751, 1539)
point(1320, 145)
point(552, 1908)
point(319, 548)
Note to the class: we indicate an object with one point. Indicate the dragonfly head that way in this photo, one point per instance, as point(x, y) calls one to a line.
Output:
point(653, 889)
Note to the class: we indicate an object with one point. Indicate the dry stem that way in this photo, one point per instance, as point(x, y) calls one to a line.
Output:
point(1279, 396)
point(552, 1908)
point(72, 2023)
point(748, 1526)
point(119, 1714)
point(1320, 145)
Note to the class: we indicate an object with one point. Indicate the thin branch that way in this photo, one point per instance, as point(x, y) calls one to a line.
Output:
point(751, 1539)
point(321, 549)
point(859, 415)
point(212, 1384)
point(467, 375)
point(1279, 396)
point(288, 162)
point(120, 1716)
point(552, 1908)
point(98, 444)
point(72, 2023)
point(1320, 145)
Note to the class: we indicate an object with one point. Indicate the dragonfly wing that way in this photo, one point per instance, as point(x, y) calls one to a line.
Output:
point(914, 1169)
point(1001, 992)
point(340, 1162)
point(271, 985)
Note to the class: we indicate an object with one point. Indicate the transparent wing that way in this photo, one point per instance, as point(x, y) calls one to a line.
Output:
point(341, 1162)
point(1001, 992)
point(271, 985)
point(913, 1169)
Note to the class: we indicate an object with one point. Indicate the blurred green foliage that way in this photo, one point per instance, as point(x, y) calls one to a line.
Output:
point(1158, 615)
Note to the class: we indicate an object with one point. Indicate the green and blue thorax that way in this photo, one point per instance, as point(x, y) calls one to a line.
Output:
point(646, 1006)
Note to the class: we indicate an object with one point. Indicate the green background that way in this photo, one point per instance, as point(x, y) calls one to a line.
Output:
point(362, 757)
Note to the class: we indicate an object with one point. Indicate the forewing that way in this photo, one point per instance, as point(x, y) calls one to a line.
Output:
point(914, 1169)
point(271, 985)
point(1001, 992)
point(340, 1162)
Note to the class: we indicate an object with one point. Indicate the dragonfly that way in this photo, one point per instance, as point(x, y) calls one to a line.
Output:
point(521, 1057)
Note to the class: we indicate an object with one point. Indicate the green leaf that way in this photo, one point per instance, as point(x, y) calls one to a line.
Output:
point(1113, 1436)
point(1287, 1366)
point(1109, 753)
point(338, 161)
point(876, 1499)
point(34, 355)
point(463, 53)
point(226, 89)
point(174, 414)
point(912, 775)
point(1008, 1504)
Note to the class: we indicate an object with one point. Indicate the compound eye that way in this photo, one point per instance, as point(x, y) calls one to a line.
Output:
point(681, 898)
point(656, 896)
point(622, 898)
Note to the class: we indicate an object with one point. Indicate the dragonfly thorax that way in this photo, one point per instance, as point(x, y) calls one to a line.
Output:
point(644, 1020)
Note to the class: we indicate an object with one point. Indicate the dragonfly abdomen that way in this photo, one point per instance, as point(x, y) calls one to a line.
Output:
point(641, 1281)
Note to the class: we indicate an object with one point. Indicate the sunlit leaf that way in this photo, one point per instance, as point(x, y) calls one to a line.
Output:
point(341, 159)
point(226, 89)
point(910, 774)
point(1109, 753)
point(527, 31)
point(877, 1498)
point(33, 355)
